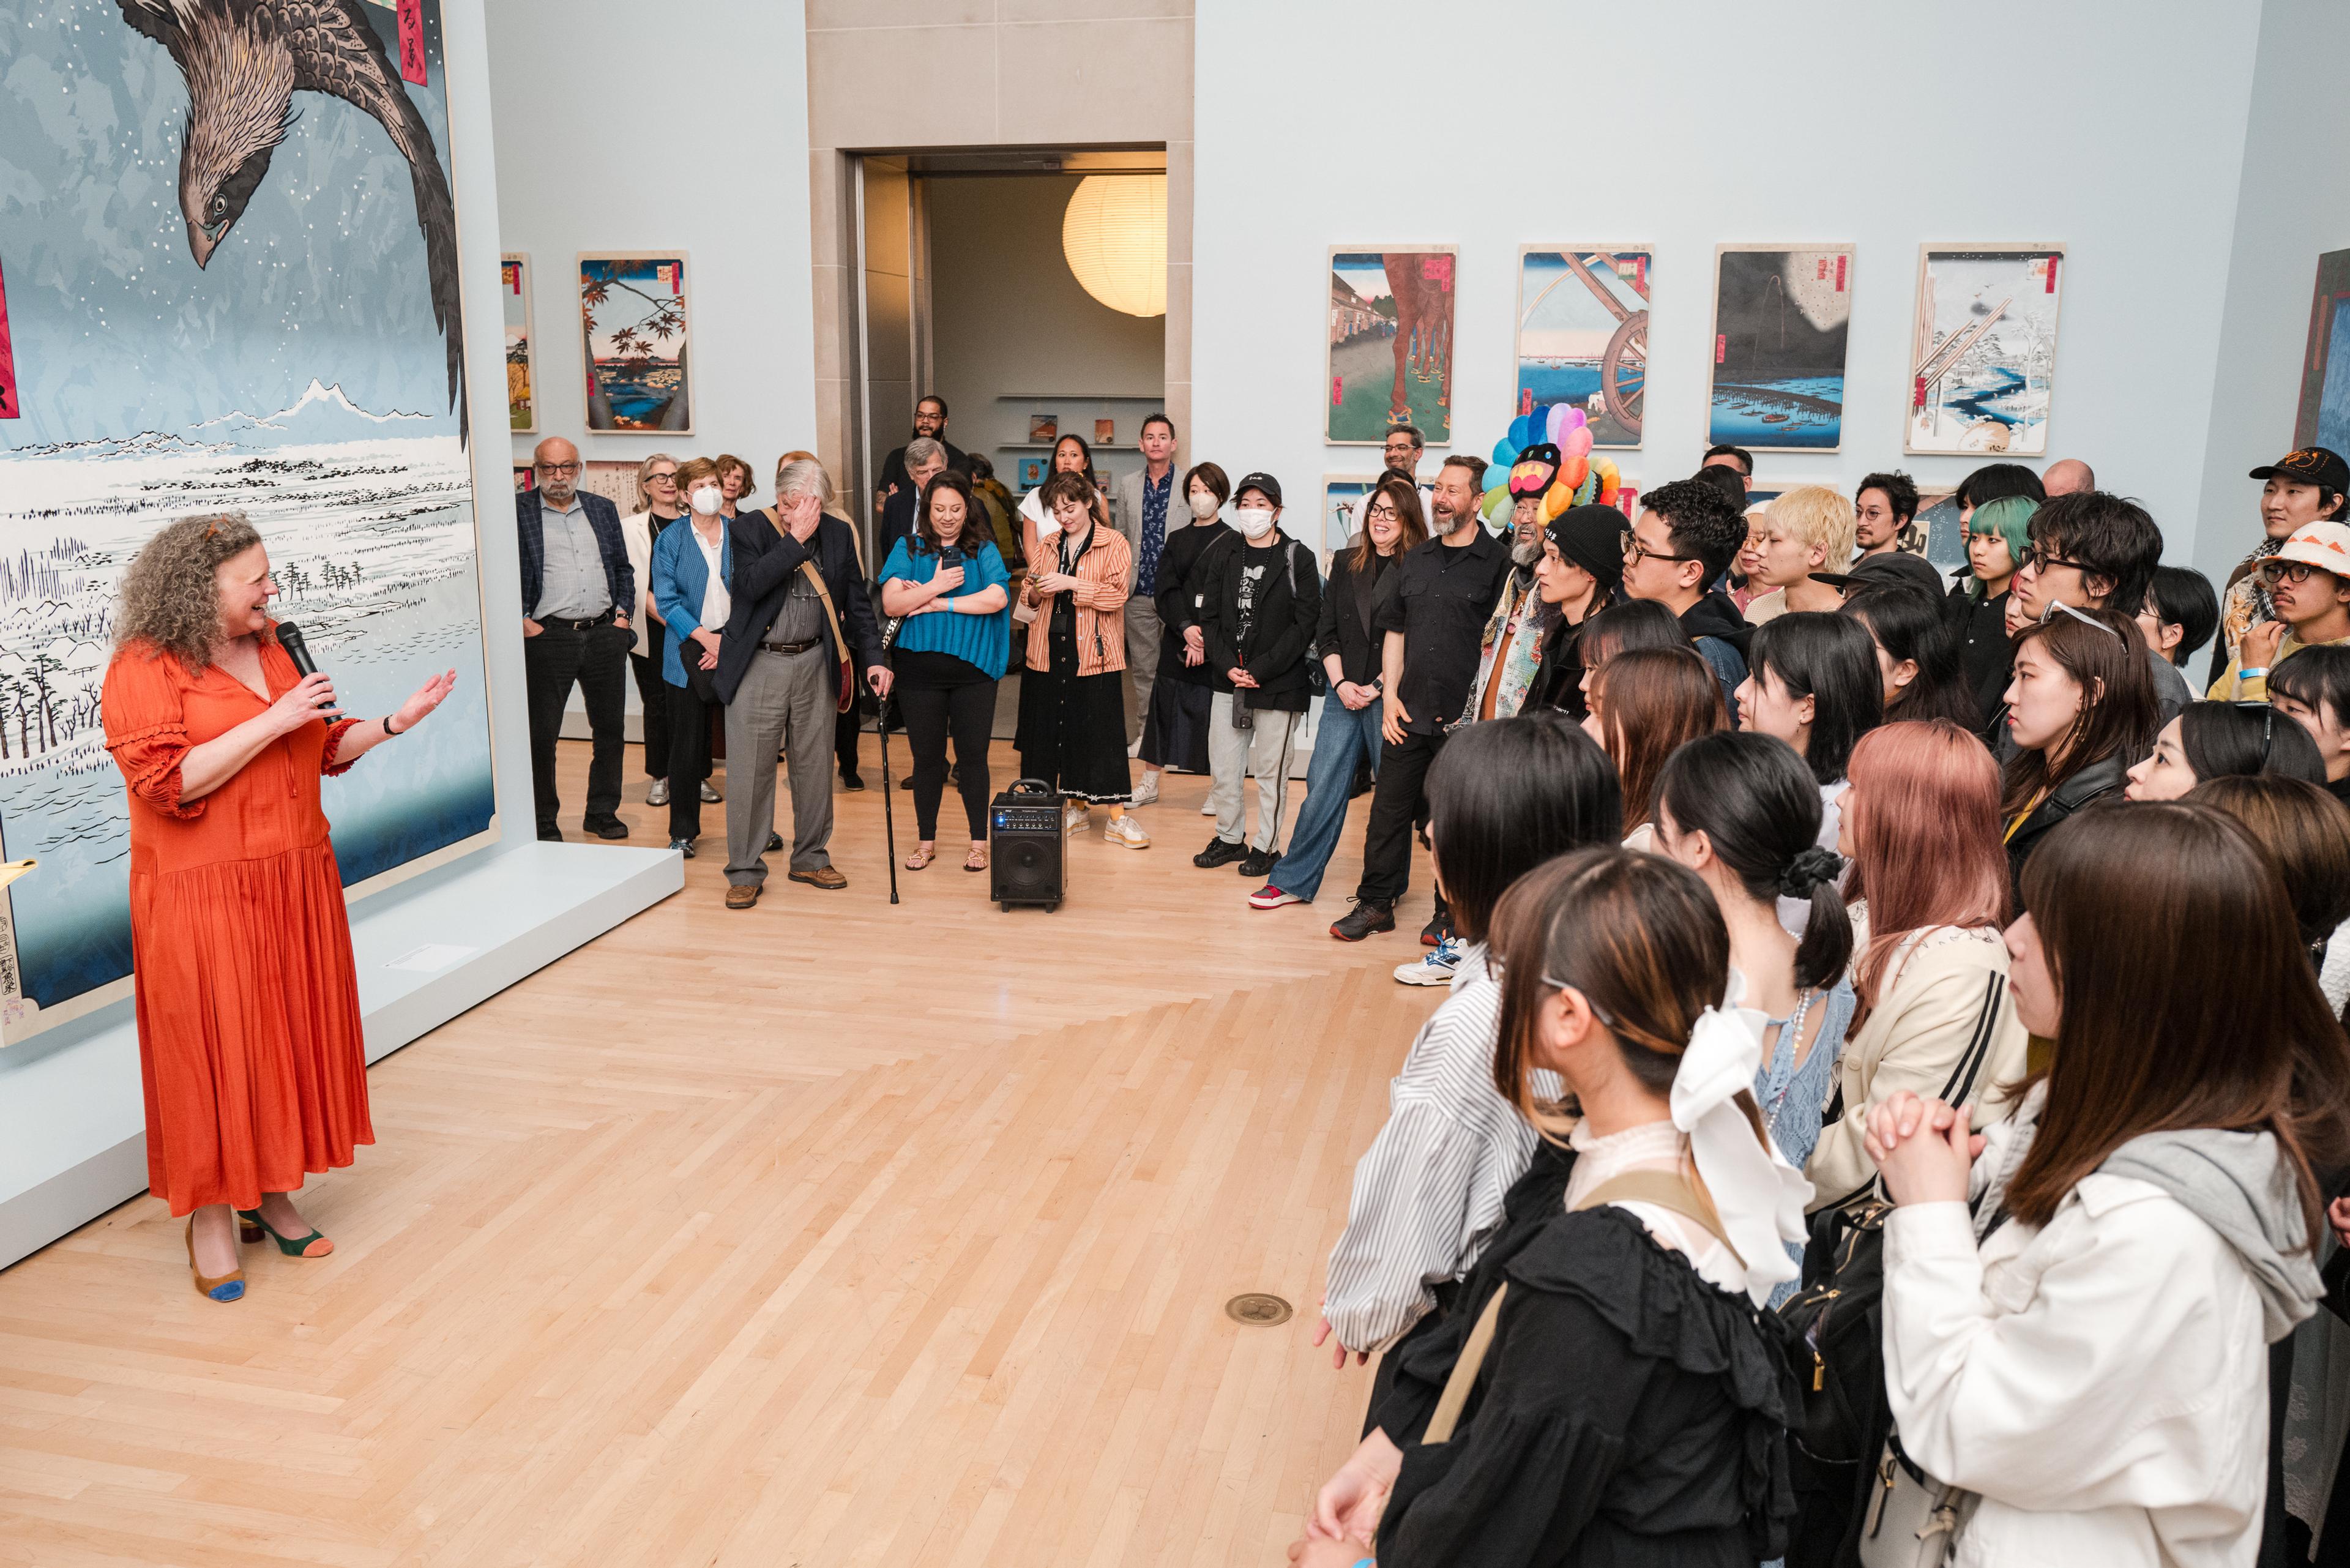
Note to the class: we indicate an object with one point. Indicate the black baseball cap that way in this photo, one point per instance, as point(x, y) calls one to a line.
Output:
point(2320, 466)
point(1886, 569)
point(1272, 486)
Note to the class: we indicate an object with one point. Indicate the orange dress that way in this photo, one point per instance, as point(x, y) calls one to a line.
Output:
point(249, 1047)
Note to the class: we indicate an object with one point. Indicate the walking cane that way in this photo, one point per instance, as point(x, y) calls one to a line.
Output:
point(889, 799)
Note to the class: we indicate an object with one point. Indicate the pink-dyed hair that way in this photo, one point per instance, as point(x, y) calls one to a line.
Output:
point(1926, 836)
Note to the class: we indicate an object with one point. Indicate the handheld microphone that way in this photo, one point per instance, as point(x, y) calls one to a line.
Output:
point(290, 639)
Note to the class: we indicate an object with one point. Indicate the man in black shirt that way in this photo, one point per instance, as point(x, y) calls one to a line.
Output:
point(930, 423)
point(1432, 620)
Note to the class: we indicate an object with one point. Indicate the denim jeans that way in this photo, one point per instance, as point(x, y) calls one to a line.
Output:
point(1344, 738)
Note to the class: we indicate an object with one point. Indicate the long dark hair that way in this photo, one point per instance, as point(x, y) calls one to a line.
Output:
point(1639, 935)
point(1409, 517)
point(1511, 794)
point(1912, 625)
point(2104, 654)
point(1633, 624)
point(2302, 828)
point(2187, 1000)
point(1825, 656)
point(975, 531)
point(1652, 701)
point(1759, 807)
point(2222, 740)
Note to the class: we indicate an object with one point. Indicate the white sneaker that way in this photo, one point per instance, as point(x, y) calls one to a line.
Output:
point(1134, 747)
point(1076, 817)
point(1125, 830)
point(1207, 808)
point(1147, 792)
point(1434, 967)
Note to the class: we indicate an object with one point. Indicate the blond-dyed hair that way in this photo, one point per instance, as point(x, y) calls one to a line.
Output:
point(1821, 518)
point(170, 594)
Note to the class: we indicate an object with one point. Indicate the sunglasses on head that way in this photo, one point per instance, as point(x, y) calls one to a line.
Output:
point(2056, 605)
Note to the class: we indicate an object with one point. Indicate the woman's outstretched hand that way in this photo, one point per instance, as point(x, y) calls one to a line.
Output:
point(427, 697)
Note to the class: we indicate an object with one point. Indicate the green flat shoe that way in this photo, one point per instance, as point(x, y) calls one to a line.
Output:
point(255, 1228)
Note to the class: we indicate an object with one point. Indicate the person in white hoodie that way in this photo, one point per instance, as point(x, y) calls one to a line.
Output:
point(2085, 1352)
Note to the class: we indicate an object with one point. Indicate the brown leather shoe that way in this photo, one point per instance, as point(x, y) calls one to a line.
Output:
point(824, 877)
point(743, 894)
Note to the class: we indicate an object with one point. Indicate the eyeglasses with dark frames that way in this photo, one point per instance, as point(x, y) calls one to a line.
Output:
point(1634, 551)
point(2036, 560)
point(2294, 572)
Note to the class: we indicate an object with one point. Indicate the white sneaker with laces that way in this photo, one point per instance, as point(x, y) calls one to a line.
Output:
point(1125, 830)
point(1076, 817)
point(1147, 792)
point(1434, 967)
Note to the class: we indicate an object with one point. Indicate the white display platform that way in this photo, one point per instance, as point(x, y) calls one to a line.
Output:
point(73, 1142)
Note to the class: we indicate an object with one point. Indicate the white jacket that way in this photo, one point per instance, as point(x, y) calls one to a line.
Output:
point(2102, 1382)
point(636, 534)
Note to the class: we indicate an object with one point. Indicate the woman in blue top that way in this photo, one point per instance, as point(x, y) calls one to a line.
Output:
point(1743, 811)
point(691, 568)
point(947, 579)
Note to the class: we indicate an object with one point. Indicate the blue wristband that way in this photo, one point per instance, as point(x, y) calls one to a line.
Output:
point(1367, 1562)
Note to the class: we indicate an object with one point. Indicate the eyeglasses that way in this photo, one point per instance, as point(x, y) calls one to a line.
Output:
point(1633, 550)
point(666, 476)
point(1382, 509)
point(557, 467)
point(2268, 726)
point(2056, 605)
point(2274, 572)
point(2036, 560)
point(1597, 1012)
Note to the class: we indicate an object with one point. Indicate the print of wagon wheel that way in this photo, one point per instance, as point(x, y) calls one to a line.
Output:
point(1624, 371)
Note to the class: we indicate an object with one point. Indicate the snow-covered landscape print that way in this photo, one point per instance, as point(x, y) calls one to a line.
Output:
point(292, 357)
point(1983, 362)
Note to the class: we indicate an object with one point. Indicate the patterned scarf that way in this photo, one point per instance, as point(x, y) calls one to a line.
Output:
point(2248, 601)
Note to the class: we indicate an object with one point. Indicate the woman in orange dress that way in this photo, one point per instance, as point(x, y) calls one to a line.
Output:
point(250, 1046)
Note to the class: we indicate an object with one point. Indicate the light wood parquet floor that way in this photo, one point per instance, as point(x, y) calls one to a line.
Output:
point(830, 1233)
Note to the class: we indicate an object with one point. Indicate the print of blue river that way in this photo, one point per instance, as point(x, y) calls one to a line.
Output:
point(1795, 411)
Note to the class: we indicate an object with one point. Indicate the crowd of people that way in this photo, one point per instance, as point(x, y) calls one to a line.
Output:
point(1891, 1102)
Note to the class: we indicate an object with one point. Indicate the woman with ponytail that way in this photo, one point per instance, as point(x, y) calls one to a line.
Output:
point(1929, 883)
point(1743, 812)
point(1610, 1394)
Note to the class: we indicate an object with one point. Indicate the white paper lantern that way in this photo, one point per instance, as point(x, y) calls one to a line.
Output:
point(1115, 236)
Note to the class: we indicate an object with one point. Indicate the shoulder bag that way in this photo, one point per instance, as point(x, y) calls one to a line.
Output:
point(846, 695)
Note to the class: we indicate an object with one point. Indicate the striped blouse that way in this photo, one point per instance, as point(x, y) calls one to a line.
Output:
point(1427, 1194)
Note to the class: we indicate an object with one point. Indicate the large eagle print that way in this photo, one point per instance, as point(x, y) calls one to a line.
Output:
point(244, 61)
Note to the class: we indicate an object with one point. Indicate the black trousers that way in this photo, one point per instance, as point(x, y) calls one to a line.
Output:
point(687, 720)
point(1399, 804)
point(596, 659)
point(844, 730)
point(652, 694)
point(931, 713)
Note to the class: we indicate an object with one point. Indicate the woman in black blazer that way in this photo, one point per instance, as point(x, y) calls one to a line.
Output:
point(1347, 733)
point(1175, 726)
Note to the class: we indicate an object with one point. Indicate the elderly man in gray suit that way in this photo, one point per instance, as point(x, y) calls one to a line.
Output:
point(1148, 506)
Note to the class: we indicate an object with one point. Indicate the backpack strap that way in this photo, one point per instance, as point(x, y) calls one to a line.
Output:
point(1464, 1372)
point(1663, 1190)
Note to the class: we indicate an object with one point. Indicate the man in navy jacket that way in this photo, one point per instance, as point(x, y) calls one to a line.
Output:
point(577, 590)
point(780, 667)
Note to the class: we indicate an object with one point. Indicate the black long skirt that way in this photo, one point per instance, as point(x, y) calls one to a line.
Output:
point(1072, 730)
point(1175, 726)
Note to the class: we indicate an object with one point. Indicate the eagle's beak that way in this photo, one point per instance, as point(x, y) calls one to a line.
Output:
point(202, 241)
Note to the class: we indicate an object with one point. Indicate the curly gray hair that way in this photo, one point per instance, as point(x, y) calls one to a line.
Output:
point(171, 597)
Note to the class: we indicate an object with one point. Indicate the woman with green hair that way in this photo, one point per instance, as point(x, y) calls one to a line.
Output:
point(1996, 540)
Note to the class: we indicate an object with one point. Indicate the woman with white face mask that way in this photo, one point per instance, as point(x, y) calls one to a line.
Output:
point(691, 568)
point(1175, 726)
point(1260, 600)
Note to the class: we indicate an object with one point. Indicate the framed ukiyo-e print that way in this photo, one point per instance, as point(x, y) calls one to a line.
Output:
point(1982, 349)
point(1341, 494)
point(1391, 336)
point(2322, 418)
point(309, 375)
point(635, 323)
point(1583, 335)
point(522, 377)
point(1781, 320)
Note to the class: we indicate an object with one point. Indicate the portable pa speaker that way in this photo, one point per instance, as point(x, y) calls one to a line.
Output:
point(1027, 843)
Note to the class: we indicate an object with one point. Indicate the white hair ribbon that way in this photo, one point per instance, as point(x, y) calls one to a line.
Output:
point(1758, 1194)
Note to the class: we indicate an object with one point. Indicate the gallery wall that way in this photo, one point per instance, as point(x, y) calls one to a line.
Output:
point(1008, 317)
point(2114, 127)
point(600, 147)
point(2293, 205)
